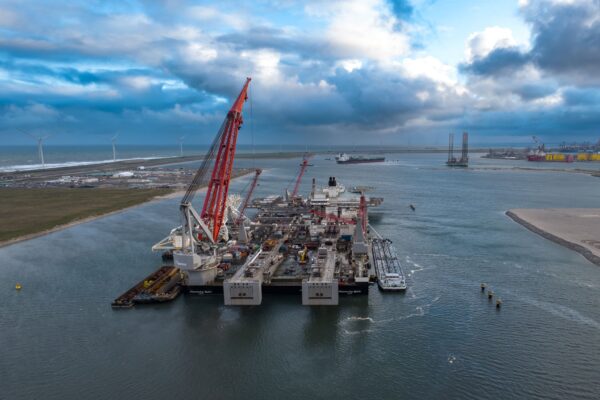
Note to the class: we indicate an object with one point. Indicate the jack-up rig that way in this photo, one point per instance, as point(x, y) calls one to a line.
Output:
point(464, 158)
point(318, 247)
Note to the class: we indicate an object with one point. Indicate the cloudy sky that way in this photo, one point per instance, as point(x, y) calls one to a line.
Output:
point(324, 71)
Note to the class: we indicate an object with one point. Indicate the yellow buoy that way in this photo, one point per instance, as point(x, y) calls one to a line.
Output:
point(18, 286)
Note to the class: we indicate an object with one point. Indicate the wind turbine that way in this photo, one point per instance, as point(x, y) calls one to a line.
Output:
point(181, 146)
point(40, 142)
point(114, 141)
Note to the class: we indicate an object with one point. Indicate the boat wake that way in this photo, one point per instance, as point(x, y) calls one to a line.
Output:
point(360, 319)
point(563, 312)
point(356, 324)
point(416, 266)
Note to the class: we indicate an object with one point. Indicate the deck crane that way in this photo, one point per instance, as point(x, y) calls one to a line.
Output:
point(240, 218)
point(540, 145)
point(362, 212)
point(300, 174)
point(207, 224)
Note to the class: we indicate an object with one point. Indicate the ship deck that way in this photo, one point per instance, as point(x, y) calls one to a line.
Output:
point(390, 276)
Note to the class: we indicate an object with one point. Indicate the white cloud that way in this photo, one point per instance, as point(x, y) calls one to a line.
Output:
point(480, 44)
point(551, 100)
point(137, 82)
point(364, 29)
point(350, 65)
point(199, 52)
point(266, 65)
point(431, 68)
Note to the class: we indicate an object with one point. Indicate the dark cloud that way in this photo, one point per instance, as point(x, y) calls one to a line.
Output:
point(566, 37)
point(497, 62)
point(581, 97)
point(374, 96)
point(565, 43)
point(532, 91)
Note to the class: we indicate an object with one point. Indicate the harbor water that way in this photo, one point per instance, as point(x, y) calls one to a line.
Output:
point(442, 339)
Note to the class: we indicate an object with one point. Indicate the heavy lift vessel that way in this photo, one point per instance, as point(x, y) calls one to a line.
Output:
point(318, 247)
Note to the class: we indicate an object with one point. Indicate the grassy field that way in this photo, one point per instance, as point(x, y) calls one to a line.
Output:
point(29, 211)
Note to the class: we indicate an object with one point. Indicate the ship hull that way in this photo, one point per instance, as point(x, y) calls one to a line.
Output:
point(361, 288)
point(364, 161)
point(536, 158)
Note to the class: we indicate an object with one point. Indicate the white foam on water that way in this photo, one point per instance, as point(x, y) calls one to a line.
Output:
point(360, 319)
point(418, 267)
point(347, 332)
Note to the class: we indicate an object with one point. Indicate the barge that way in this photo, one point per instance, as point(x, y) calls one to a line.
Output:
point(160, 286)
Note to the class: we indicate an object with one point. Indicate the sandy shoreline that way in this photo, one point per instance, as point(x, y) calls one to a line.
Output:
point(57, 228)
point(575, 228)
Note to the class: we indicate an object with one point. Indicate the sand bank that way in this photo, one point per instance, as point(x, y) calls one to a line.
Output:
point(575, 228)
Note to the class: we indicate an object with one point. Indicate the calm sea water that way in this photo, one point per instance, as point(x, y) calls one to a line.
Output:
point(442, 339)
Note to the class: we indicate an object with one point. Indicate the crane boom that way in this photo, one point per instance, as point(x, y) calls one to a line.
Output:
point(300, 174)
point(362, 212)
point(215, 201)
point(249, 195)
point(221, 155)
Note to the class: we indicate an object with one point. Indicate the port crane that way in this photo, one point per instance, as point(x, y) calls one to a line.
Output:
point(208, 223)
point(244, 205)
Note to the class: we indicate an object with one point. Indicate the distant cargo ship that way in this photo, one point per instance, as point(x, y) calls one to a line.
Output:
point(540, 155)
point(344, 158)
point(536, 157)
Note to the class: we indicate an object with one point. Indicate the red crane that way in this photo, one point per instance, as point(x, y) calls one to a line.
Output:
point(221, 154)
point(248, 195)
point(213, 209)
point(362, 212)
point(300, 174)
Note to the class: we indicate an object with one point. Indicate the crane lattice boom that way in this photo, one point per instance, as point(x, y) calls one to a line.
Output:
point(215, 201)
point(300, 174)
point(221, 155)
point(249, 195)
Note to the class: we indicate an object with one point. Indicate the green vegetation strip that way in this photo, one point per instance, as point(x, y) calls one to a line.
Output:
point(30, 211)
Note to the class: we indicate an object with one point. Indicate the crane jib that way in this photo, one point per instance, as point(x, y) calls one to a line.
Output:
point(220, 155)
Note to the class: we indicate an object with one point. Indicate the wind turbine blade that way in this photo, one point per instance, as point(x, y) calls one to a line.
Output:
point(28, 134)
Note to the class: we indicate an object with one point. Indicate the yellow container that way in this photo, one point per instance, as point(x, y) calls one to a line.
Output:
point(583, 157)
point(555, 157)
point(595, 157)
